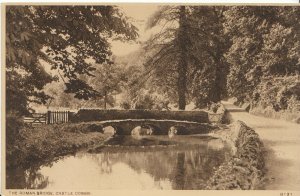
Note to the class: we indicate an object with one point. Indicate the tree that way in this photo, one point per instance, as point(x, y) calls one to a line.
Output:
point(208, 66)
point(62, 37)
point(183, 61)
point(109, 79)
point(265, 43)
point(169, 49)
point(188, 51)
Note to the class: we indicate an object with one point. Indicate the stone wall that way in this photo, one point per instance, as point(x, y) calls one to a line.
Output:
point(245, 170)
point(85, 115)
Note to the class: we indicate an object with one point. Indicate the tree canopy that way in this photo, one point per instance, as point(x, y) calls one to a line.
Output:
point(64, 38)
point(187, 54)
point(200, 54)
point(224, 51)
point(265, 46)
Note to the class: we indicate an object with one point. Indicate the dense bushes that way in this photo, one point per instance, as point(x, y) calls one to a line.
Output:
point(217, 113)
point(246, 169)
point(264, 58)
point(144, 100)
point(216, 107)
point(281, 93)
point(278, 98)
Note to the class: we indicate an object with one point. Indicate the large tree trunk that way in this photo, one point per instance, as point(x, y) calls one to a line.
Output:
point(221, 71)
point(217, 86)
point(182, 64)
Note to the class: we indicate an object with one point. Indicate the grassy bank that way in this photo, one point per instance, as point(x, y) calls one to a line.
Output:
point(246, 169)
point(43, 143)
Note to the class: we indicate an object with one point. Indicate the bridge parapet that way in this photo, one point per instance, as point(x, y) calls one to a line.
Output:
point(86, 115)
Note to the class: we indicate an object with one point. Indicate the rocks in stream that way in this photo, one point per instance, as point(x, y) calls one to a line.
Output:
point(139, 131)
point(178, 130)
point(175, 130)
point(172, 131)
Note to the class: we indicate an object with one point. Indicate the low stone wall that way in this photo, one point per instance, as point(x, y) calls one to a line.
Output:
point(245, 170)
point(85, 115)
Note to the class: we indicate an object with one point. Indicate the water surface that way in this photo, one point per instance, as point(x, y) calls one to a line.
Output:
point(125, 162)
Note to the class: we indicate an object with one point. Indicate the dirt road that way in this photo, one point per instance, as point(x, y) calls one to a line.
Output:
point(282, 142)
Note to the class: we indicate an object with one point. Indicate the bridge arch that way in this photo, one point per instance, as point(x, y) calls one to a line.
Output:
point(178, 130)
point(117, 130)
point(109, 129)
point(157, 127)
point(141, 130)
point(156, 130)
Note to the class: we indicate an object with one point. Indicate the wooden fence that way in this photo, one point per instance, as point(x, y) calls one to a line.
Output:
point(51, 117)
point(57, 117)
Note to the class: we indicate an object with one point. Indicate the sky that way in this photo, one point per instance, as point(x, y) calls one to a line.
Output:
point(139, 15)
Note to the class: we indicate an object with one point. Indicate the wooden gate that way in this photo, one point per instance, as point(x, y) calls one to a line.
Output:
point(36, 118)
point(56, 117)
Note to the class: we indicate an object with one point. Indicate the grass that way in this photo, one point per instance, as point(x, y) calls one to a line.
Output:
point(45, 142)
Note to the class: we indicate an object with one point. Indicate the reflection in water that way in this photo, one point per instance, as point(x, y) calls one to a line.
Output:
point(30, 179)
point(179, 171)
point(180, 165)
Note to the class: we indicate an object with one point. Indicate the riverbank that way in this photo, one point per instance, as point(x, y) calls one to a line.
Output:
point(245, 171)
point(42, 143)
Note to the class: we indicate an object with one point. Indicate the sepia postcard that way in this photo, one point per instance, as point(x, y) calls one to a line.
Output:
point(150, 98)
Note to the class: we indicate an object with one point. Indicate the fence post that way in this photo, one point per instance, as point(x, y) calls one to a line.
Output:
point(48, 117)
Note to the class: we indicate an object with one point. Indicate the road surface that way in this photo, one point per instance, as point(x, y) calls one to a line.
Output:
point(282, 143)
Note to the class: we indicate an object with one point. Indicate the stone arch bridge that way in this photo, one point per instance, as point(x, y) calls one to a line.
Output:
point(158, 127)
point(160, 122)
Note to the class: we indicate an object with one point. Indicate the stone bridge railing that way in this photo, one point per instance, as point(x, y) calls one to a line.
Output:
point(86, 115)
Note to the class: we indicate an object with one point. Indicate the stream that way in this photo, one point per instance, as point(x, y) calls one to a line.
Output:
point(126, 162)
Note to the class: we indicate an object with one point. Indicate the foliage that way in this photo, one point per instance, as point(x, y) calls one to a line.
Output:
point(216, 107)
point(63, 38)
point(169, 51)
point(44, 43)
point(109, 79)
point(36, 145)
point(265, 44)
point(277, 93)
point(59, 98)
point(14, 125)
point(187, 54)
point(147, 100)
point(208, 68)
point(278, 97)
